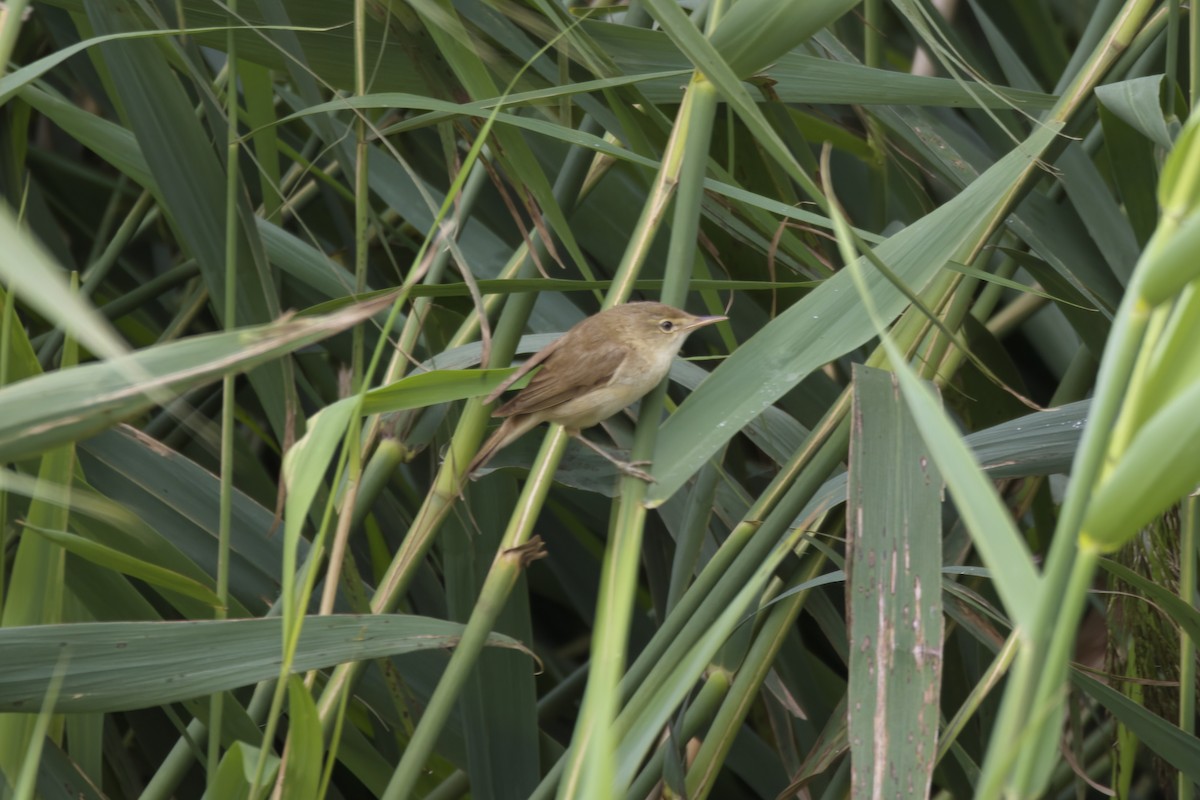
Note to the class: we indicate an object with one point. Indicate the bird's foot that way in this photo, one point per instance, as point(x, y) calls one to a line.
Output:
point(630, 468)
point(627, 467)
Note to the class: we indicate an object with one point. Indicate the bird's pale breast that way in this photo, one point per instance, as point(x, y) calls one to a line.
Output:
point(640, 372)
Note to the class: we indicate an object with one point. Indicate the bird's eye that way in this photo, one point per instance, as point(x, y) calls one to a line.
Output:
point(666, 326)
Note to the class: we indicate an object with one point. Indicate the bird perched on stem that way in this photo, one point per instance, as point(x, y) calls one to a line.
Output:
point(597, 368)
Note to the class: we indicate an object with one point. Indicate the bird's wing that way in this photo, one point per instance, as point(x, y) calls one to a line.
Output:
point(523, 370)
point(559, 381)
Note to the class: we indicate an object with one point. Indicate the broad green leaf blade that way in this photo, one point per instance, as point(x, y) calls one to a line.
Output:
point(237, 770)
point(1099, 210)
point(1135, 171)
point(1041, 443)
point(302, 770)
point(64, 406)
point(1136, 102)
point(801, 78)
point(111, 142)
point(36, 596)
point(894, 553)
point(126, 665)
point(754, 33)
point(36, 592)
point(20, 359)
point(828, 323)
point(499, 701)
point(60, 778)
point(177, 502)
point(302, 261)
point(304, 469)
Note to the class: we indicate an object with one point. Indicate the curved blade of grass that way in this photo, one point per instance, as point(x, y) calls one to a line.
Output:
point(27, 269)
point(431, 388)
point(10, 84)
point(1179, 610)
point(126, 564)
point(1165, 740)
point(1011, 284)
point(68, 496)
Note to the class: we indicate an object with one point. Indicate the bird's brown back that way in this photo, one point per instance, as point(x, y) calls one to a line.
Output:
point(563, 376)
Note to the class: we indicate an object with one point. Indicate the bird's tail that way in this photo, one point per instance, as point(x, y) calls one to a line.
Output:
point(510, 430)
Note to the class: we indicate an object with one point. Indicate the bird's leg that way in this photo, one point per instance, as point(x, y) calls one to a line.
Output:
point(628, 467)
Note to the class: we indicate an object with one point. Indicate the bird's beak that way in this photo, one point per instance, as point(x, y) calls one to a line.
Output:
point(700, 322)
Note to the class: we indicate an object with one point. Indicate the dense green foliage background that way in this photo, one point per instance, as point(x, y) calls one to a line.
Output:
point(245, 336)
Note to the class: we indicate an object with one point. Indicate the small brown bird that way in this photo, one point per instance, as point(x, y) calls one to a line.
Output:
point(597, 368)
